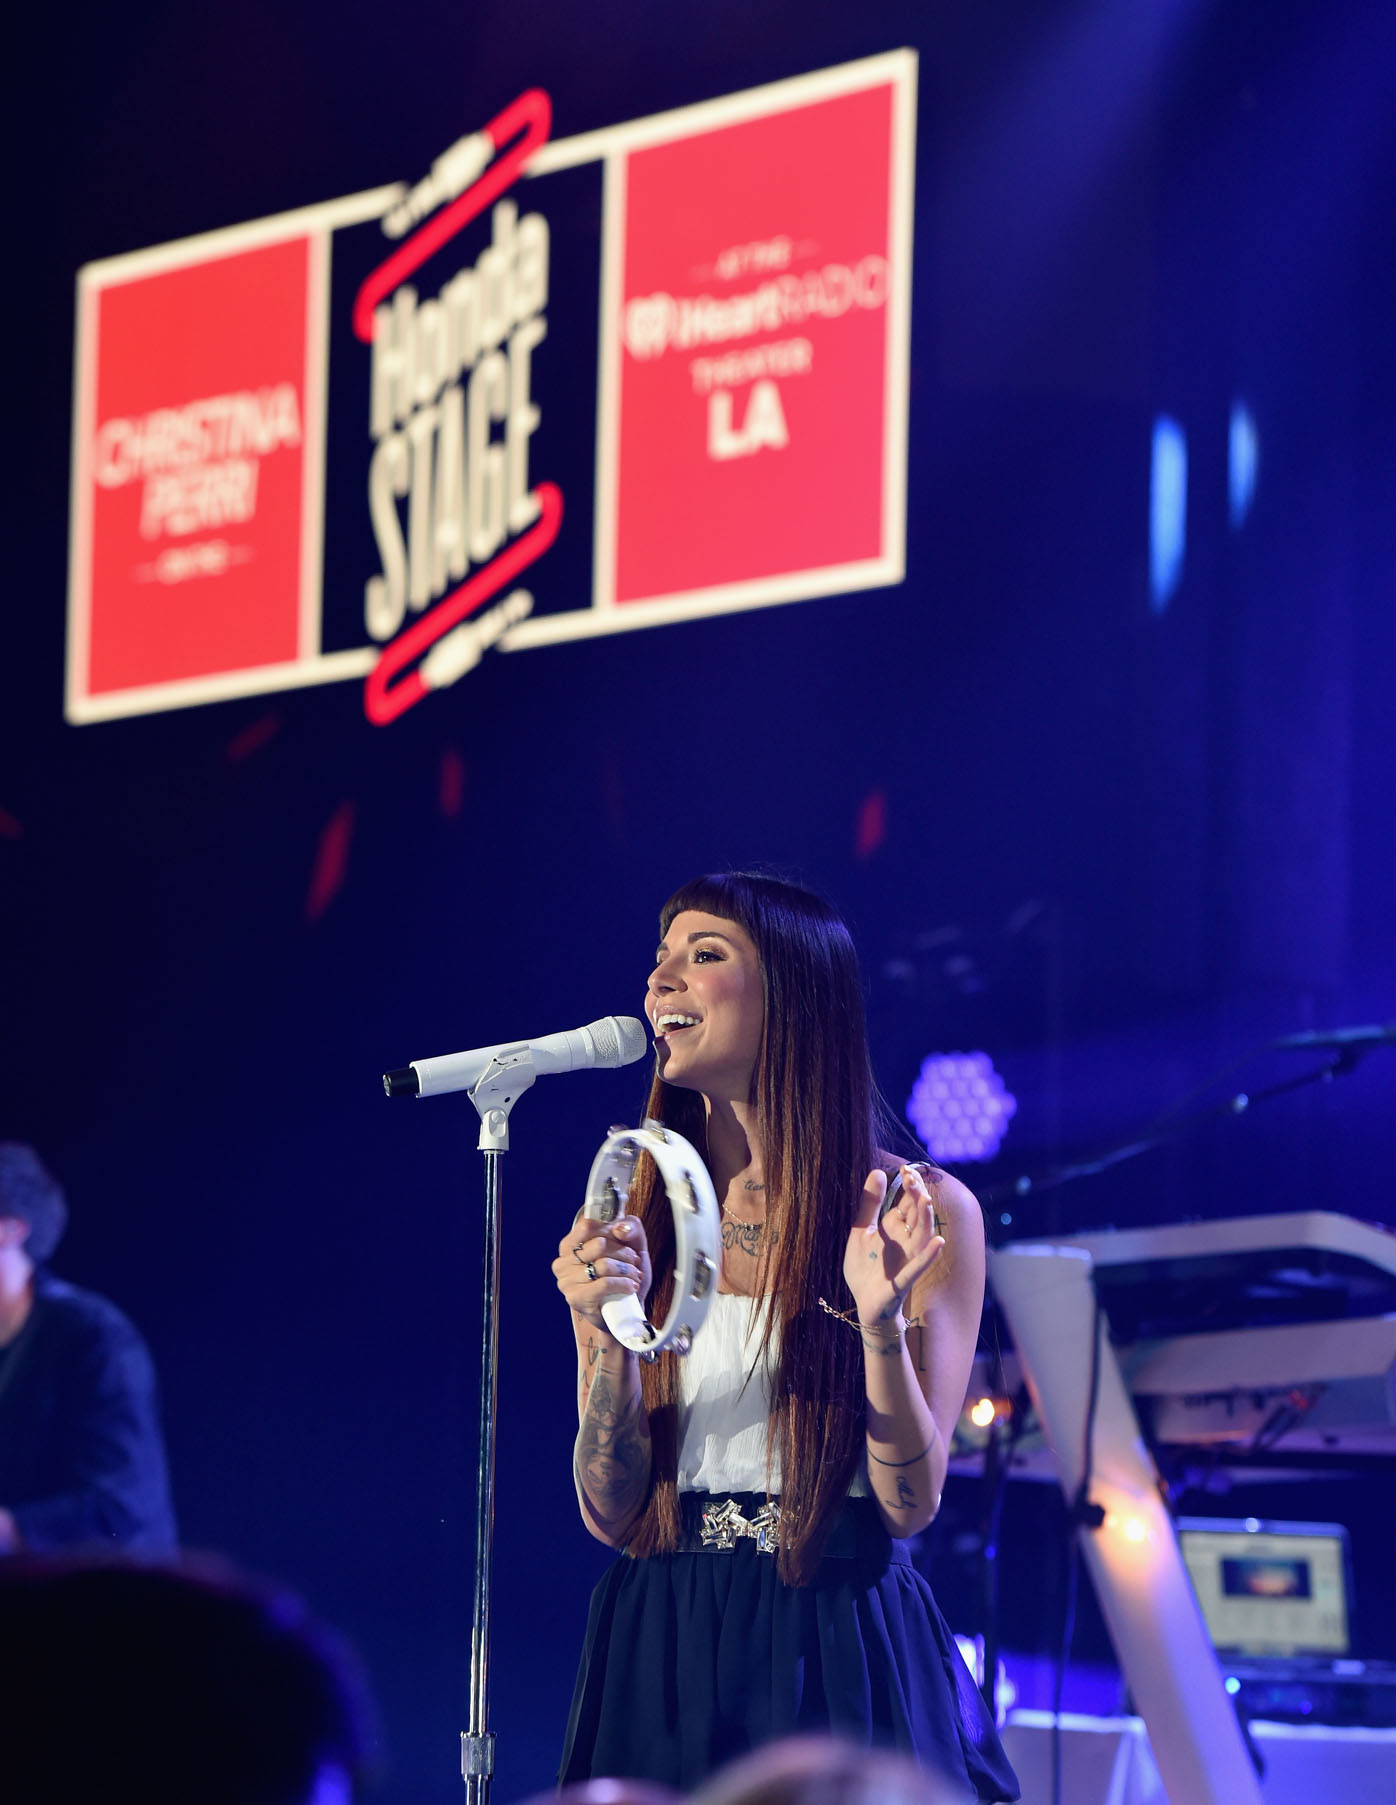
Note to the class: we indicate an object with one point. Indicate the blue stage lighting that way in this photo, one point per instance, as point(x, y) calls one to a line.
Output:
point(1243, 455)
point(959, 1107)
point(1168, 511)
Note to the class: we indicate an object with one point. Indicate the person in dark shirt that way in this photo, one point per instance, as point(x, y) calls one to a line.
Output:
point(82, 1459)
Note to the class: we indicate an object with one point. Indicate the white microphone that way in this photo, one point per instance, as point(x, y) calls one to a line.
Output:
point(614, 1040)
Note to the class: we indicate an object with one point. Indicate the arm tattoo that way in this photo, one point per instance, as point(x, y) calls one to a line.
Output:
point(901, 1463)
point(905, 1498)
point(876, 1345)
point(613, 1455)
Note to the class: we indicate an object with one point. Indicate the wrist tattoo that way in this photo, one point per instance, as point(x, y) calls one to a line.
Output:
point(876, 1344)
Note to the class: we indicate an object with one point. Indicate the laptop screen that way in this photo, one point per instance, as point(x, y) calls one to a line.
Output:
point(1269, 1589)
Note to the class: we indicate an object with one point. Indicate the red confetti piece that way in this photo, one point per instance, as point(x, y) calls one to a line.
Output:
point(252, 738)
point(331, 861)
point(10, 829)
point(451, 789)
point(871, 830)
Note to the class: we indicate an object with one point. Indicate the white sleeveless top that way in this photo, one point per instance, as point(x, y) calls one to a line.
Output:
point(723, 1414)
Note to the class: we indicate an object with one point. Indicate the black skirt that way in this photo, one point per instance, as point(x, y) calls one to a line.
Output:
point(691, 1659)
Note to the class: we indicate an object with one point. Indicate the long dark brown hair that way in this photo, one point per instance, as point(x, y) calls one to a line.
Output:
point(817, 1119)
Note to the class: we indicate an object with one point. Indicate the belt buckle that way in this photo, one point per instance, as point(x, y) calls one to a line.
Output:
point(723, 1525)
point(765, 1526)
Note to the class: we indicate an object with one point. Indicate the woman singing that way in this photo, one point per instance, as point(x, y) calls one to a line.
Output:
point(819, 1397)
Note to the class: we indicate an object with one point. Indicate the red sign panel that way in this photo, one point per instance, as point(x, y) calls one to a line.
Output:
point(754, 329)
point(197, 469)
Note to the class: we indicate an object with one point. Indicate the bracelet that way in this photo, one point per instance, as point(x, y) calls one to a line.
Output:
point(902, 1463)
point(851, 1316)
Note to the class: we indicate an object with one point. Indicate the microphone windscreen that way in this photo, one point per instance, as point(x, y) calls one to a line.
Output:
point(619, 1040)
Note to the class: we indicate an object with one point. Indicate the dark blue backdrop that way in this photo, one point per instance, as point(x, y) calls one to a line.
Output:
point(1121, 847)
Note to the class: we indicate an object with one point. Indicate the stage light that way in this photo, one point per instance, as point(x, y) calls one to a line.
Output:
point(1243, 459)
point(982, 1412)
point(1168, 511)
point(959, 1107)
point(1129, 1525)
point(1005, 1692)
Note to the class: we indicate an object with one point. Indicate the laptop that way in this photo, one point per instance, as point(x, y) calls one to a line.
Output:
point(1277, 1602)
point(1271, 1591)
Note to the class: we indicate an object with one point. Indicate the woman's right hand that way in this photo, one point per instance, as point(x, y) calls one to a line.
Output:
point(616, 1252)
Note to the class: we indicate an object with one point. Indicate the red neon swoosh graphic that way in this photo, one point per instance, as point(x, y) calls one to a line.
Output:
point(382, 704)
point(532, 114)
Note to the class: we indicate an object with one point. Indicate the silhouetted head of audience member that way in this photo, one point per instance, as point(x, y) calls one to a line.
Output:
point(29, 1194)
point(824, 1770)
point(172, 1685)
point(609, 1792)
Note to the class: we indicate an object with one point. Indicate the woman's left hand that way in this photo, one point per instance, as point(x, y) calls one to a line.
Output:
point(886, 1255)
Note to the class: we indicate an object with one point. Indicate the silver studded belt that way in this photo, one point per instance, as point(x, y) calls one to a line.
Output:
point(721, 1524)
point(724, 1525)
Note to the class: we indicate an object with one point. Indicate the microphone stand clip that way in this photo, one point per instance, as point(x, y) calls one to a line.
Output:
point(495, 1092)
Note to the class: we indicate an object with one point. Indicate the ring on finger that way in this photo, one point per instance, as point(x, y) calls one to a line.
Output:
point(591, 1269)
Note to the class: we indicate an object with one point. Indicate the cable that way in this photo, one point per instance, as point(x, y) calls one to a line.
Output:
point(1084, 1514)
point(1073, 1564)
point(998, 1466)
point(1286, 1415)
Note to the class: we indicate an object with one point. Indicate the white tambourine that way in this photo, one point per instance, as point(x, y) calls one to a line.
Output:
point(697, 1231)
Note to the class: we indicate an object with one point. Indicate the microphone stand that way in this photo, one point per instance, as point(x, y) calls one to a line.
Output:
point(496, 1091)
point(1345, 1061)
